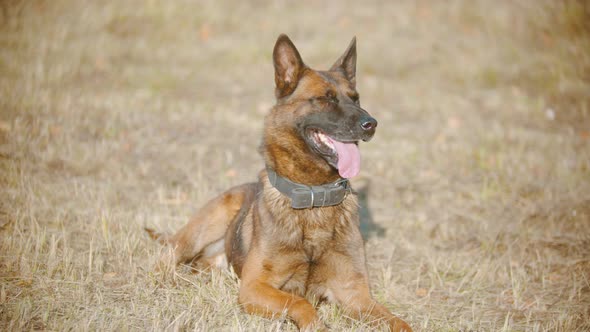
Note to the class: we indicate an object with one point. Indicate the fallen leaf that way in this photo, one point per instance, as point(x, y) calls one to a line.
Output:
point(205, 32)
point(109, 275)
point(421, 292)
point(454, 122)
point(4, 126)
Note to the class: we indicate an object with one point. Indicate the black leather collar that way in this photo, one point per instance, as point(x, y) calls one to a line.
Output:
point(306, 197)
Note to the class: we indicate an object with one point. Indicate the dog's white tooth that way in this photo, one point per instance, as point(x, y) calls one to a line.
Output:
point(323, 139)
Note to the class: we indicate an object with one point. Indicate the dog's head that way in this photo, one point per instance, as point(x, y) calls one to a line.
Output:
point(311, 135)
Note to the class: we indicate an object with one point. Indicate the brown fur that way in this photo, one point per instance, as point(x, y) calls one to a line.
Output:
point(284, 256)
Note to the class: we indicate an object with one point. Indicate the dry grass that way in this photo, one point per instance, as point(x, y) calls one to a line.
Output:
point(120, 114)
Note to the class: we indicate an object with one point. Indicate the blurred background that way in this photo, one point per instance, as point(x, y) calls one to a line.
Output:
point(119, 114)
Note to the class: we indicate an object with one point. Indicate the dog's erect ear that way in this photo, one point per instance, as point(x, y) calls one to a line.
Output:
point(288, 66)
point(347, 62)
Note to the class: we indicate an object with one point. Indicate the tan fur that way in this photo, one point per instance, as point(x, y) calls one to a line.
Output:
point(287, 257)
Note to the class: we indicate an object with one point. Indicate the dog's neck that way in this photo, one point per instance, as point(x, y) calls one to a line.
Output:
point(306, 197)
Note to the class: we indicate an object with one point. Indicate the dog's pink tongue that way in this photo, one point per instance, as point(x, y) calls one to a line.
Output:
point(349, 159)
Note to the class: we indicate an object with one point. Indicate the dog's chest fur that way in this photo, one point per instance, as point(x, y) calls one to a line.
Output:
point(301, 239)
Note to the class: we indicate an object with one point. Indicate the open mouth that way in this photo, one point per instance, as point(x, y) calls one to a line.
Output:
point(344, 156)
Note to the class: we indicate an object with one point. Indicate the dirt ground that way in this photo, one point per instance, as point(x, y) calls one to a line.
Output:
point(115, 115)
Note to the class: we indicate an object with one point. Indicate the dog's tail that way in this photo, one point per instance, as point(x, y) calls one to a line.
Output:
point(162, 238)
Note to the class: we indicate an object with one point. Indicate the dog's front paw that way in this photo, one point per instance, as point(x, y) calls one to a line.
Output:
point(316, 326)
point(398, 325)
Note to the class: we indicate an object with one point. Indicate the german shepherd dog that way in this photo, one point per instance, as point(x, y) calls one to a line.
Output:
point(294, 235)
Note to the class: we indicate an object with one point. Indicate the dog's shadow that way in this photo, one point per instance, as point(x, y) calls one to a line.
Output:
point(368, 226)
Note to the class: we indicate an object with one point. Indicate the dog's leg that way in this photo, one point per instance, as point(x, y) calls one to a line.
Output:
point(260, 294)
point(204, 235)
point(357, 302)
point(262, 299)
point(348, 286)
point(353, 295)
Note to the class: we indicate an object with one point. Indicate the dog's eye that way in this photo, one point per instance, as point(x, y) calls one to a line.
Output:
point(354, 98)
point(331, 96)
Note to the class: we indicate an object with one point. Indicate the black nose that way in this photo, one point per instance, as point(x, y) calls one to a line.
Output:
point(368, 123)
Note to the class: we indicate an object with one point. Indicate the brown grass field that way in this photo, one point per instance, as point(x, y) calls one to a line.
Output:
point(115, 115)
